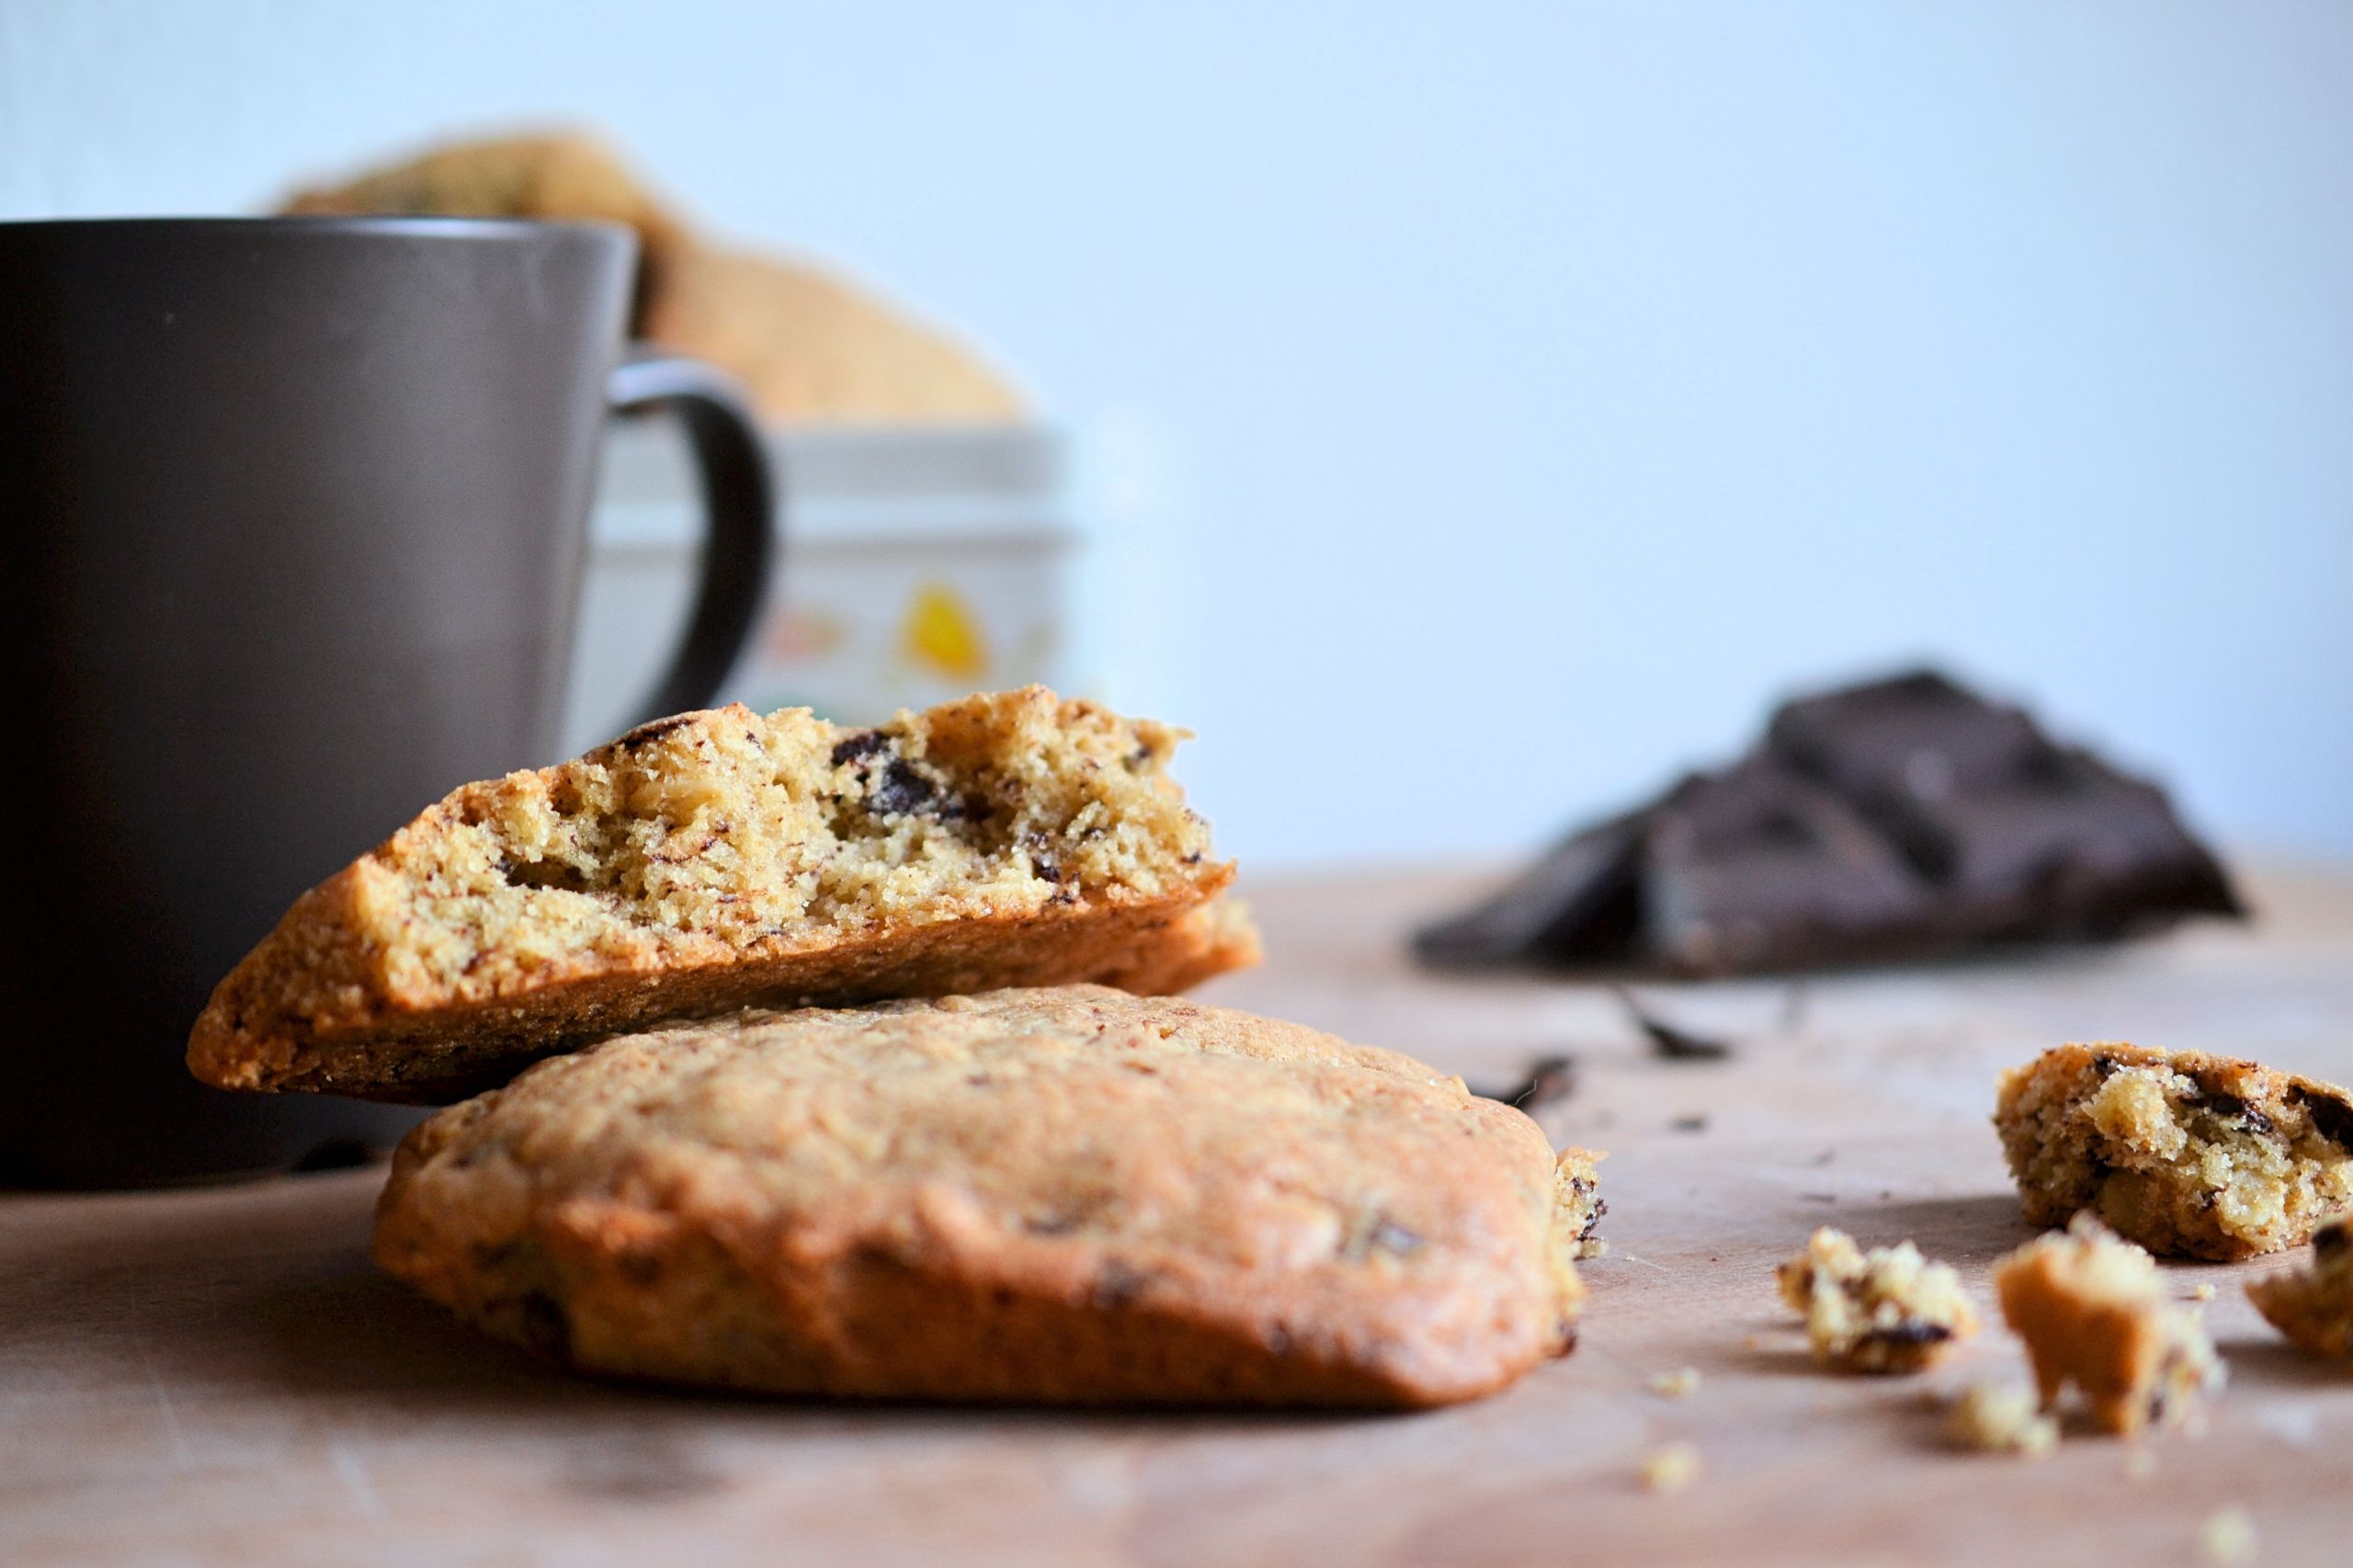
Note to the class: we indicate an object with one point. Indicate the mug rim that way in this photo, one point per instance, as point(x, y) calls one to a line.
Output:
point(400, 225)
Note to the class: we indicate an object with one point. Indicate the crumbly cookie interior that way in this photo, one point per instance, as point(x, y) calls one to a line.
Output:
point(732, 827)
point(2187, 1155)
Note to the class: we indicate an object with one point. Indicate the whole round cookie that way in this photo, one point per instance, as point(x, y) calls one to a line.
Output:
point(1068, 1193)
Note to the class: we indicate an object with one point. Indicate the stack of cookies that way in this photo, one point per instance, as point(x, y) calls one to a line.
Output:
point(845, 1061)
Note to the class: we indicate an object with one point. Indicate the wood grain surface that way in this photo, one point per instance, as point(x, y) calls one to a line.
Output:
point(219, 1376)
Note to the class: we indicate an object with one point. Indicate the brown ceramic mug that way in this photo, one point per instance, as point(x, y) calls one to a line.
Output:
point(292, 524)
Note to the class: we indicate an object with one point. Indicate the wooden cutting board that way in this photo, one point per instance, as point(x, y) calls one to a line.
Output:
point(217, 1376)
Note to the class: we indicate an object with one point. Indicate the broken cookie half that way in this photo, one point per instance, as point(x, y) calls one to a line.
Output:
point(719, 859)
point(2189, 1155)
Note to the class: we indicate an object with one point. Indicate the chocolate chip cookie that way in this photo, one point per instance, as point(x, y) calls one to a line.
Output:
point(1060, 1195)
point(721, 859)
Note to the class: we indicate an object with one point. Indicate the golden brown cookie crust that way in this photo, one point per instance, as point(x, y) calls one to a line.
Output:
point(719, 859)
point(1065, 1195)
point(2190, 1155)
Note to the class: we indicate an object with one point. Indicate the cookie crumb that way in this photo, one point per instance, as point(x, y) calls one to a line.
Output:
point(1889, 1310)
point(2313, 1306)
point(1679, 1384)
point(2227, 1536)
point(2203, 1294)
point(1576, 1185)
point(2002, 1418)
point(2092, 1311)
point(1669, 1469)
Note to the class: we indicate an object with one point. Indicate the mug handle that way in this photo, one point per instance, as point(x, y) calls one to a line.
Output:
point(740, 549)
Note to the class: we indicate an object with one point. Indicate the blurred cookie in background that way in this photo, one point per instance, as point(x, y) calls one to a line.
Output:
point(814, 349)
point(810, 348)
point(562, 175)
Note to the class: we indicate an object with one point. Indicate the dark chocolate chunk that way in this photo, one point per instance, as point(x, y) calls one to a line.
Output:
point(864, 744)
point(1913, 1332)
point(2332, 1118)
point(1041, 851)
point(1900, 819)
point(2079, 852)
point(902, 792)
point(1593, 1216)
point(1579, 898)
point(1750, 869)
point(1917, 736)
point(2232, 1106)
point(655, 729)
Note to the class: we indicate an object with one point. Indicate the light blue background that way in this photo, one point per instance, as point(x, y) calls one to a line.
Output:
point(1500, 403)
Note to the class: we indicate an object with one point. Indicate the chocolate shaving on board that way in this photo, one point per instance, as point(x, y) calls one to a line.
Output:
point(1550, 1081)
point(1674, 1043)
